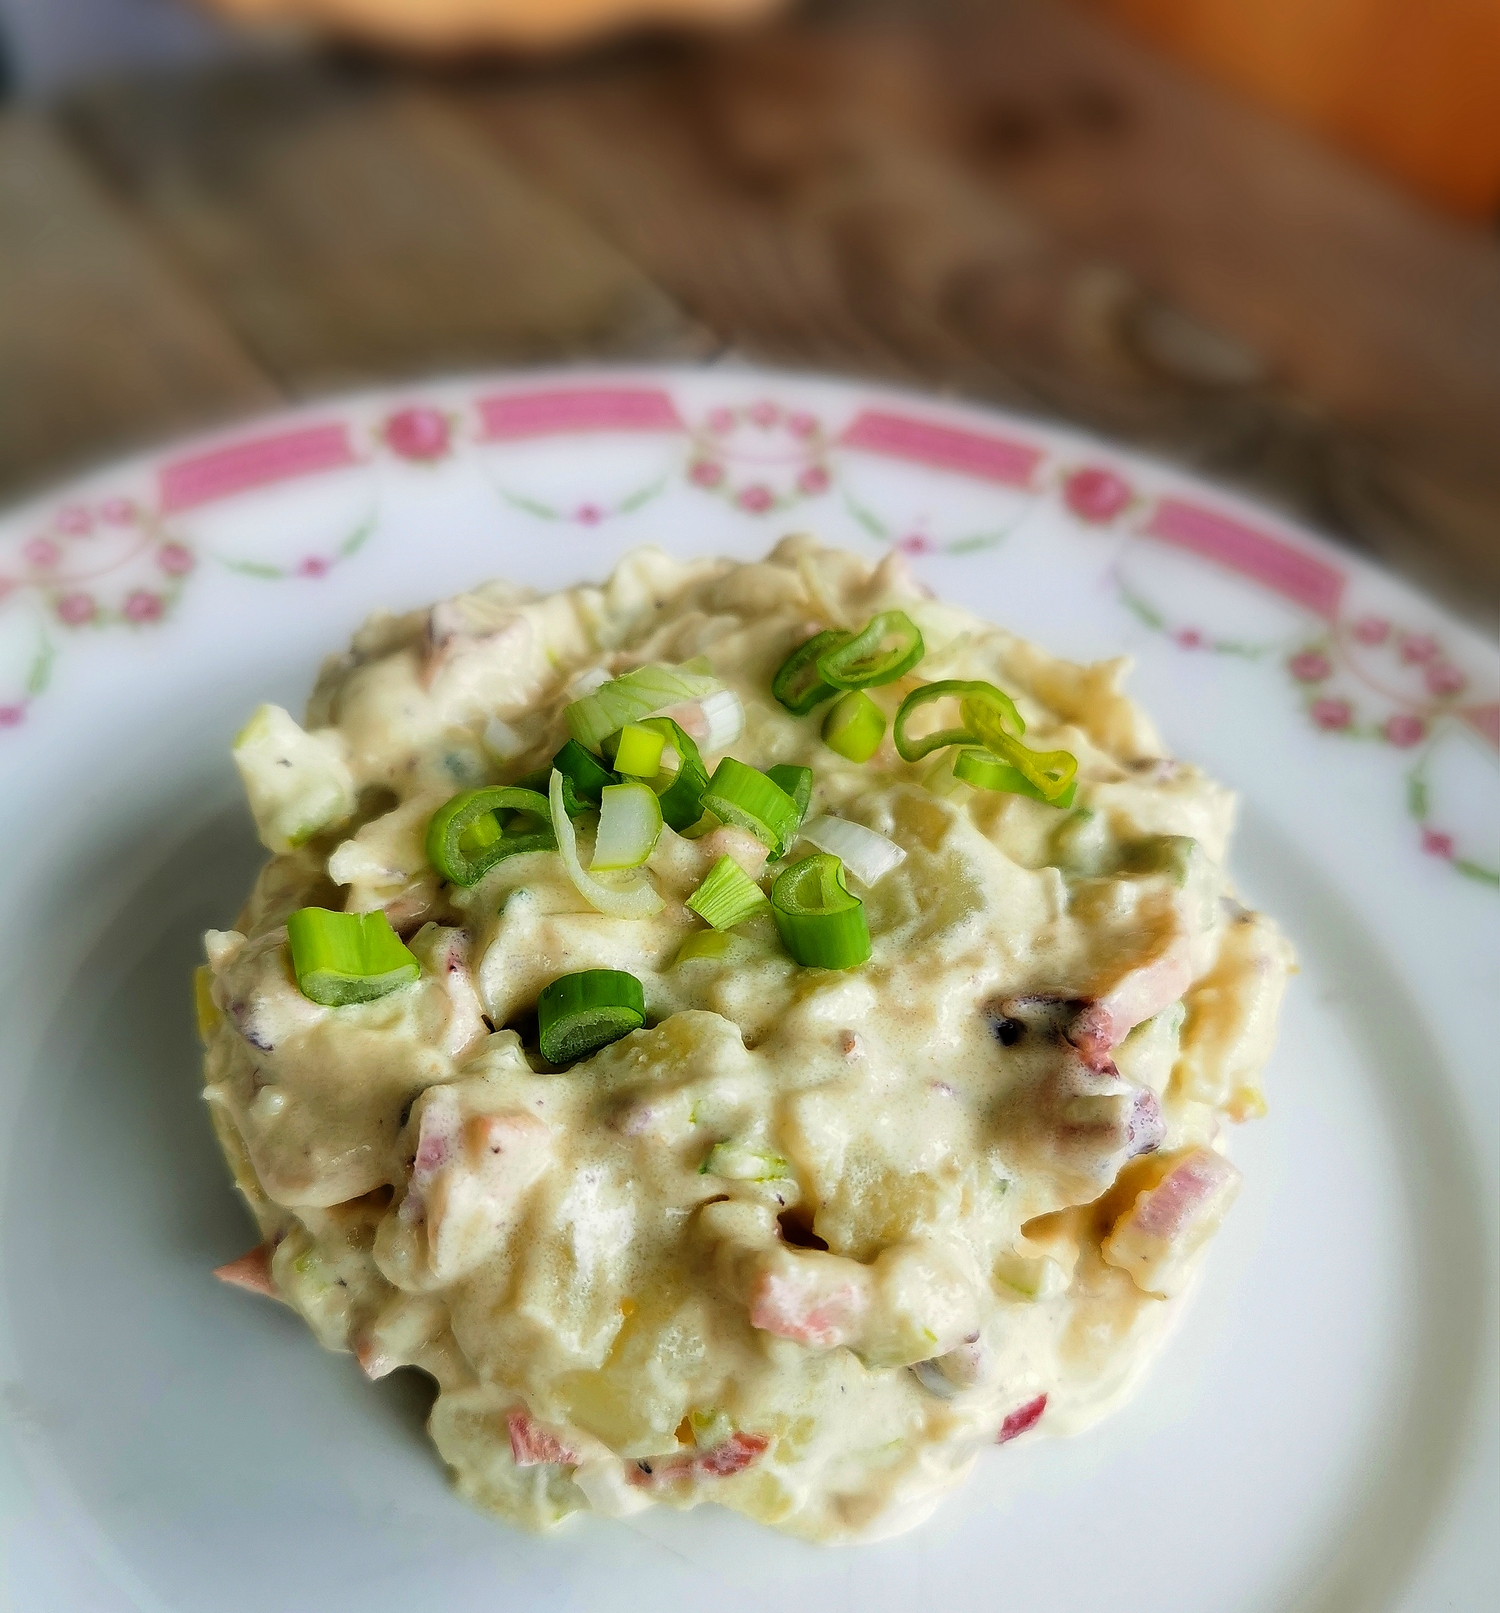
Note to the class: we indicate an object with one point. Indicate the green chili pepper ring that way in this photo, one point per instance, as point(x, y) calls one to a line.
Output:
point(466, 838)
point(863, 661)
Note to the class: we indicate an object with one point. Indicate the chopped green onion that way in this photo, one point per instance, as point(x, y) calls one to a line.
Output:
point(854, 727)
point(718, 719)
point(865, 853)
point(871, 658)
point(796, 781)
point(629, 827)
point(821, 924)
point(638, 751)
point(707, 944)
point(983, 768)
point(681, 792)
point(798, 685)
point(467, 835)
point(585, 772)
point(637, 898)
point(913, 750)
point(341, 958)
point(746, 797)
point(736, 1162)
point(727, 896)
point(580, 1013)
point(991, 722)
point(1050, 772)
point(628, 698)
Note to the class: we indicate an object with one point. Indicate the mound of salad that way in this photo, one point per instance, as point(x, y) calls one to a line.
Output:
point(751, 1033)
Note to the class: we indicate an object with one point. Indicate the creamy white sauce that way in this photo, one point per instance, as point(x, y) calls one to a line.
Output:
point(998, 1143)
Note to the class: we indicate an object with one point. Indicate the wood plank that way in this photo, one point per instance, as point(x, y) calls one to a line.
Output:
point(352, 233)
point(1008, 200)
point(102, 346)
point(1381, 318)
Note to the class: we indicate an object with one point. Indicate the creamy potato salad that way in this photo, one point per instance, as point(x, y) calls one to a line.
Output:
point(751, 1033)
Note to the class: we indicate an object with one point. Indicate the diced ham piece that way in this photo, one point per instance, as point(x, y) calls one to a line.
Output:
point(734, 1455)
point(808, 1300)
point(1022, 1418)
point(1137, 996)
point(531, 1444)
point(1169, 1222)
point(251, 1272)
point(1085, 1120)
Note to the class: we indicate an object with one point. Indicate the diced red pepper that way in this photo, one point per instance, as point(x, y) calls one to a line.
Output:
point(1022, 1418)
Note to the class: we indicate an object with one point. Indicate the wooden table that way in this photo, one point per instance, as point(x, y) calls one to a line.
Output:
point(997, 198)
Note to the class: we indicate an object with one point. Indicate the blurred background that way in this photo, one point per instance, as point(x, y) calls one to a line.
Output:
point(1261, 239)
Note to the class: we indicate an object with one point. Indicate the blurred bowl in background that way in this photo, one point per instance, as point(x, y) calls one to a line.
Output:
point(525, 24)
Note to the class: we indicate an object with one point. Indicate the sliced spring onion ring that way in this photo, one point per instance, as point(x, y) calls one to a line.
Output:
point(866, 854)
point(541, 781)
point(341, 958)
point(629, 827)
point(991, 722)
point(727, 896)
point(580, 1013)
point(715, 721)
point(638, 751)
point(854, 727)
point(798, 685)
point(821, 924)
point(584, 771)
point(913, 750)
point(745, 797)
point(1051, 772)
point(474, 830)
point(628, 698)
point(635, 899)
point(796, 781)
point(681, 792)
point(713, 944)
point(988, 772)
point(887, 647)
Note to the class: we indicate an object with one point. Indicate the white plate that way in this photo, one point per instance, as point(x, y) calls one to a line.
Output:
point(1320, 1433)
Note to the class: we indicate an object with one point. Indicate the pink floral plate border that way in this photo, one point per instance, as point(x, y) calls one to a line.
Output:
point(123, 563)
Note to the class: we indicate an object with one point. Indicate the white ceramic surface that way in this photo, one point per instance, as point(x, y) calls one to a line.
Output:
point(1321, 1432)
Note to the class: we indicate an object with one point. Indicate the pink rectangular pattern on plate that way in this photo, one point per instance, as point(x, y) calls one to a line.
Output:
point(259, 462)
point(594, 408)
point(1292, 573)
point(973, 453)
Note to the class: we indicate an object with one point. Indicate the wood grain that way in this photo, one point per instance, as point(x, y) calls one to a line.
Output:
point(1009, 201)
point(1000, 198)
point(102, 346)
point(352, 231)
